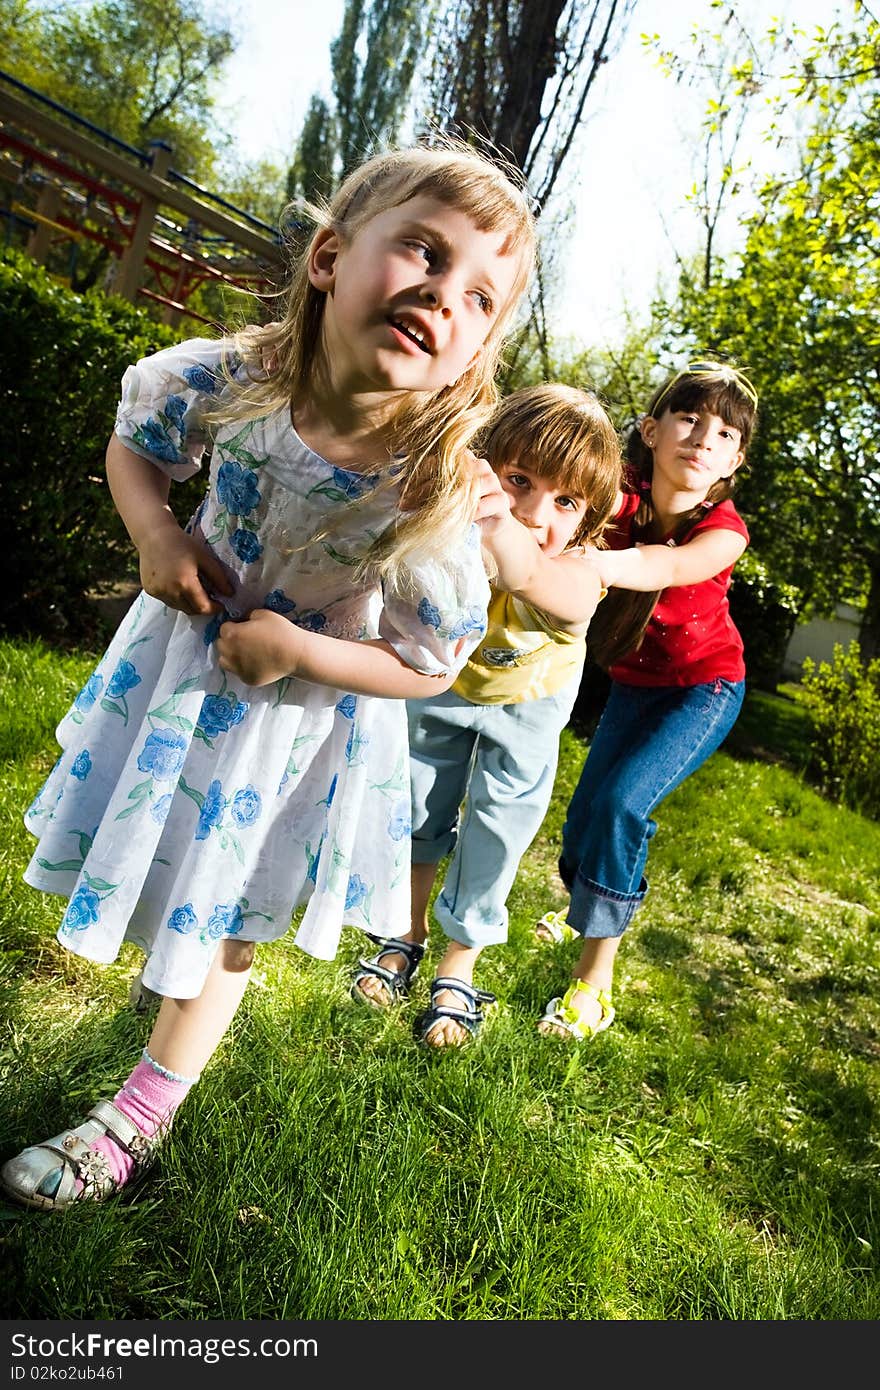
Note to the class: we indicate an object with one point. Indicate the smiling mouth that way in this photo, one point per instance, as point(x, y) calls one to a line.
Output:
point(415, 335)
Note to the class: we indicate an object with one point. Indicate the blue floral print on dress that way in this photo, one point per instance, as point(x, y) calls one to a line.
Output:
point(246, 545)
point(247, 804)
point(357, 892)
point(355, 743)
point(278, 602)
point(124, 678)
point(159, 809)
point(82, 765)
point(163, 754)
point(220, 713)
point(212, 810)
point(237, 488)
point(225, 920)
point(83, 910)
point(183, 920)
point(428, 614)
point(400, 824)
point(175, 410)
point(200, 378)
point(312, 622)
point(90, 692)
point(473, 621)
point(153, 437)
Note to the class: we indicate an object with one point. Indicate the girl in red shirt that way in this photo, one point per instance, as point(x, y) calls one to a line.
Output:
point(666, 637)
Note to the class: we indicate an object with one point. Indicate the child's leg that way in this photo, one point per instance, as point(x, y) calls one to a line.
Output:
point(595, 967)
point(509, 790)
point(669, 734)
point(441, 746)
point(372, 986)
point(185, 1036)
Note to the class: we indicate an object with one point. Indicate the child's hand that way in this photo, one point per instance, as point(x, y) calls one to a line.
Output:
point(179, 569)
point(262, 649)
point(493, 506)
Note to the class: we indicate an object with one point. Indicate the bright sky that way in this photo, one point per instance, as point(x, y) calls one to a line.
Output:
point(631, 169)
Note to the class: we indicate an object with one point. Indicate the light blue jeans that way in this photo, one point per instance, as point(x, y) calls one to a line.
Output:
point(500, 761)
point(647, 742)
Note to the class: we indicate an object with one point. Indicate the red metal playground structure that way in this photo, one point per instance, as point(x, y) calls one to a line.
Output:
point(165, 235)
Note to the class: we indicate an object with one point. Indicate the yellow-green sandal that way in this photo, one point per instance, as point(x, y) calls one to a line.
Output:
point(554, 926)
point(563, 1014)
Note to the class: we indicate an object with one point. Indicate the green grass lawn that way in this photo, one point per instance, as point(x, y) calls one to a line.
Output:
point(713, 1156)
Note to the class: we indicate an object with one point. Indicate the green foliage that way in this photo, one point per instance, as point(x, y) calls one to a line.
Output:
point(765, 613)
point(374, 58)
point(311, 175)
point(141, 69)
point(711, 1157)
point(842, 698)
point(62, 357)
point(799, 305)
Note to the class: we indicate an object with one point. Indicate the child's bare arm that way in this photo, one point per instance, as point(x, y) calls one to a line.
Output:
point(268, 646)
point(173, 565)
point(649, 567)
point(566, 587)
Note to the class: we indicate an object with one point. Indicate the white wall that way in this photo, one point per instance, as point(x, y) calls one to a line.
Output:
point(818, 637)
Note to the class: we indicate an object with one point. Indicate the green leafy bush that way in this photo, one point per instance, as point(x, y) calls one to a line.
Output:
point(62, 357)
point(842, 698)
point(765, 613)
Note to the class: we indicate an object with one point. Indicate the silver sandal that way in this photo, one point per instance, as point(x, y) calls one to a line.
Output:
point(30, 1178)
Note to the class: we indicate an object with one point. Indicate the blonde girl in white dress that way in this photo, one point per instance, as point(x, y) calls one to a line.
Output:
point(229, 760)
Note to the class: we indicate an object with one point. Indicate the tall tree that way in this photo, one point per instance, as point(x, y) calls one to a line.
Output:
point(374, 58)
point(519, 73)
point(141, 69)
point(799, 305)
point(311, 175)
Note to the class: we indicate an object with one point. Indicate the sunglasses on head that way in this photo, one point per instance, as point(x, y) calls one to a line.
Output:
point(717, 370)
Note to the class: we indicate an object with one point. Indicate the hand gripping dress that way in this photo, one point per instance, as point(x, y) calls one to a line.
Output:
point(187, 806)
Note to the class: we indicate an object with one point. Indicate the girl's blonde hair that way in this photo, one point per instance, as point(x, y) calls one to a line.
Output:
point(563, 433)
point(429, 431)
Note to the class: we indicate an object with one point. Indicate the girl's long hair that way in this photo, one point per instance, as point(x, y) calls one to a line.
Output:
point(428, 432)
point(620, 621)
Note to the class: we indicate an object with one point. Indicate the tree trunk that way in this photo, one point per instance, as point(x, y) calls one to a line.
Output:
point(869, 632)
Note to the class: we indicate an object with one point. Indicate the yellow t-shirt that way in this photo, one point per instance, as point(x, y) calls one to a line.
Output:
point(523, 656)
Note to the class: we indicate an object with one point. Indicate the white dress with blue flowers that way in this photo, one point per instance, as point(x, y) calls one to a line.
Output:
point(187, 806)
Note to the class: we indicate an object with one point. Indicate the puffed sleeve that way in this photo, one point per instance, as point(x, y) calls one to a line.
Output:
point(164, 399)
point(436, 614)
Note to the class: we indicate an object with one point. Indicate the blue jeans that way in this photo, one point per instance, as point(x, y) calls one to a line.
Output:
point(648, 741)
point(500, 761)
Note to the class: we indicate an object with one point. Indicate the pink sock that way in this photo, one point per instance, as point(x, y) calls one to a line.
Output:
point(149, 1098)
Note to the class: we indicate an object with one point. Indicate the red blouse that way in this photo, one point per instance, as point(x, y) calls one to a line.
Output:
point(691, 637)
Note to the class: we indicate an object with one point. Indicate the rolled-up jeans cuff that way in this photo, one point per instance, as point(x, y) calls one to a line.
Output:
point(598, 911)
point(431, 851)
point(473, 932)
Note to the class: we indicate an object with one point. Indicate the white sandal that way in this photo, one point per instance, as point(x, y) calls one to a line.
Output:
point(561, 1012)
point(556, 927)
